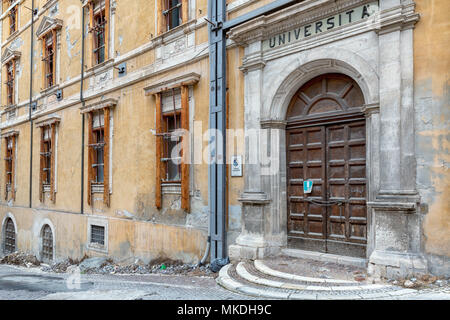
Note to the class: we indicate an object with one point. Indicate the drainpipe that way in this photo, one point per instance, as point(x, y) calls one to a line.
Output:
point(31, 99)
point(217, 29)
point(82, 115)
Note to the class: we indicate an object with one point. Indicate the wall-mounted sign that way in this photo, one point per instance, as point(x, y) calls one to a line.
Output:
point(307, 186)
point(236, 166)
point(319, 26)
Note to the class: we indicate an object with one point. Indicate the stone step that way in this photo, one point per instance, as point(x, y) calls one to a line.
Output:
point(243, 269)
point(263, 268)
point(242, 279)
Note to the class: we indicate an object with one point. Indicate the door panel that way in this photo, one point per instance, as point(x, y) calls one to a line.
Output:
point(333, 218)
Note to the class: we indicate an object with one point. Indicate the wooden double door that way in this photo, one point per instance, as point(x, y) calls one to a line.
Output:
point(333, 217)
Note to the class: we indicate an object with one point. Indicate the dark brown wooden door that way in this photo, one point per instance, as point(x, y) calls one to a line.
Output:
point(333, 217)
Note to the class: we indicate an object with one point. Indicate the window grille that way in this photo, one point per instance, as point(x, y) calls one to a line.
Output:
point(47, 155)
point(9, 160)
point(173, 14)
point(49, 58)
point(10, 237)
point(12, 19)
point(171, 138)
point(98, 144)
point(10, 70)
point(98, 234)
point(99, 33)
point(47, 243)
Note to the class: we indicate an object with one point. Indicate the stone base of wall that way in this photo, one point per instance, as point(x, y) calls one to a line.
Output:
point(393, 265)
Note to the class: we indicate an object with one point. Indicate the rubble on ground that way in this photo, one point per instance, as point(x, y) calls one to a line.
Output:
point(420, 282)
point(20, 259)
point(102, 265)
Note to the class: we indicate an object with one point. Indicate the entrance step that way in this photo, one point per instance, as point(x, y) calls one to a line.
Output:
point(325, 257)
point(256, 279)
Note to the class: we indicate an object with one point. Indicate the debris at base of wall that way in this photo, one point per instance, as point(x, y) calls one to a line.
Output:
point(104, 265)
point(217, 264)
point(420, 282)
point(20, 259)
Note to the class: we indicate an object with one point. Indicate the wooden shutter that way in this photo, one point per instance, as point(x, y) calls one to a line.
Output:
point(44, 63)
point(158, 202)
point(161, 26)
point(6, 169)
point(107, 5)
point(52, 161)
point(54, 38)
point(42, 165)
point(13, 99)
point(13, 169)
point(185, 10)
point(90, 158)
point(185, 151)
point(106, 197)
point(91, 26)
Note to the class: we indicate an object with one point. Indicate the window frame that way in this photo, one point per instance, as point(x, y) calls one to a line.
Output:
point(13, 16)
point(161, 134)
point(10, 163)
point(10, 81)
point(49, 59)
point(163, 15)
point(97, 144)
point(99, 8)
point(94, 186)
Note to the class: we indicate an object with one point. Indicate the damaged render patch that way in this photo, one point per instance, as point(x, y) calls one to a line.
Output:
point(16, 44)
point(70, 45)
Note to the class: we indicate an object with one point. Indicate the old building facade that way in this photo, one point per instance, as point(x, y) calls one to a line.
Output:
point(105, 117)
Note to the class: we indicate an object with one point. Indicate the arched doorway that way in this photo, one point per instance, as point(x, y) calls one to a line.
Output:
point(9, 238)
point(326, 145)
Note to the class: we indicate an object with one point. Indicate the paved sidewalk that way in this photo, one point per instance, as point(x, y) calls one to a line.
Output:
point(19, 283)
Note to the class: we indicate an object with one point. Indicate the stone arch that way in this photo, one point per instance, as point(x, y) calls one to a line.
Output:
point(8, 215)
point(310, 65)
point(42, 224)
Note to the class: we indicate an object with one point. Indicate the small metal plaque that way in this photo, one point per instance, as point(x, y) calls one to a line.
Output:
point(236, 166)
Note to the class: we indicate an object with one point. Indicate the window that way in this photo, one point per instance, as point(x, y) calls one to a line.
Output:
point(172, 126)
point(98, 234)
point(171, 147)
point(13, 13)
point(49, 59)
point(48, 157)
point(47, 33)
point(99, 148)
point(99, 14)
point(10, 150)
point(10, 83)
point(172, 13)
point(9, 245)
point(47, 243)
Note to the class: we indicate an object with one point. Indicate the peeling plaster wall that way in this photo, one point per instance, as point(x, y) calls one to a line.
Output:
point(432, 103)
point(135, 227)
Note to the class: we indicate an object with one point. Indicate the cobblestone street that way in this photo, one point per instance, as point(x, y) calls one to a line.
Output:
point(19, 283)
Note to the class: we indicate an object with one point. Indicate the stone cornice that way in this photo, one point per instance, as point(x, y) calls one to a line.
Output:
point(107, 103)
point(273, 124)
point(10, 134)
point(9, 55)
point(287, 19)
point(48, 121)
point(398, 18)
point(48, 24)
point(175, 82)
point(370, 109)
point(255, 198)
